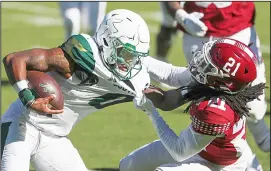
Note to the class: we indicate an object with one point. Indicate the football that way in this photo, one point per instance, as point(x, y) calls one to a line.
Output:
point(44, 85)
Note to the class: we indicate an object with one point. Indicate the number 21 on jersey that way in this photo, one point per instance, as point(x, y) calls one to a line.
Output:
point(220, 104)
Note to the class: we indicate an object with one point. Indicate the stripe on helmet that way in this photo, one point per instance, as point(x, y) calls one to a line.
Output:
point(229, 41)
point(239, 45)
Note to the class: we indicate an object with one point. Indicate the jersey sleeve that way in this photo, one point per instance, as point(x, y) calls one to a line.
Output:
point(181, 147)
point(211, 119)
point(79, 50)
point(167, 73)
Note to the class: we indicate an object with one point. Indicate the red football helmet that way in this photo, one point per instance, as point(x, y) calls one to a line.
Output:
point(226, 64)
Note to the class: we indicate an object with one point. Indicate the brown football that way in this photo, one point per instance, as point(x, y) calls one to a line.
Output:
point(45, 85)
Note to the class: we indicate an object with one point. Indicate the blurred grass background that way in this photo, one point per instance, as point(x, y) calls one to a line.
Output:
point(110, 134)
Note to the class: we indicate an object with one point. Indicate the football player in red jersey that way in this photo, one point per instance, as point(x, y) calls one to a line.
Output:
point(215, 140)
point(204, 21)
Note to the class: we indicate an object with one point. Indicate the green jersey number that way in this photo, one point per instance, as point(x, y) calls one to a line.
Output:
point(109, 99)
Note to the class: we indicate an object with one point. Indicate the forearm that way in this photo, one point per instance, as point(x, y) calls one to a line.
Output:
point(172, 99)
point(167, 73)
point(186, 145)
point(44, 60)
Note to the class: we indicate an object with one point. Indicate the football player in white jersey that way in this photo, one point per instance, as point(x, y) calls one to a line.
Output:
point(93, 73)
point(82, 16)
point(215, 139)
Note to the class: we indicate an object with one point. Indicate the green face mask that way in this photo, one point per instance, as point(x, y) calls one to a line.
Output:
point(125, 61)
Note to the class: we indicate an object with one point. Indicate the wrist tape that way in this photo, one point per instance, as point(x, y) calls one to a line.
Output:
point(27, 97)
point(20, 85)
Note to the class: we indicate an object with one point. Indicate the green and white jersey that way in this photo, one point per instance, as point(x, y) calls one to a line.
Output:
point(91, 87)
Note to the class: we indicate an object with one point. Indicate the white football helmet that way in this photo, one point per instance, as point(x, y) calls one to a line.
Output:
point(123, 39)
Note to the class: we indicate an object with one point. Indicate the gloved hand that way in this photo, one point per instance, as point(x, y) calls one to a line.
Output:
point(191, 22)
point(143, 103)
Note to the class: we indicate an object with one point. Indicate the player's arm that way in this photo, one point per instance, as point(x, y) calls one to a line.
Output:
point(16, 64)
point(181, 147)
point(173, 76)
point(167, 73)
point(166, 100)
point(75, 51)
point(193, 139)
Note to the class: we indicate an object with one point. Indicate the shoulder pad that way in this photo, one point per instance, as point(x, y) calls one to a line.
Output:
point(79, 49)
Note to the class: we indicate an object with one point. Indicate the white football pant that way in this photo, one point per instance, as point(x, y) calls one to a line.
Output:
point(25, 143)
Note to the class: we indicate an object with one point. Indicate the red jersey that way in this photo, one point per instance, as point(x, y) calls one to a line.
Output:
point(223, 18)
point(215, 117)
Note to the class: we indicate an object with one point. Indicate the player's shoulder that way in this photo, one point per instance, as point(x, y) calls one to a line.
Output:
point(82, 49)
point(214, 110)
point(81, 41)
point(90, 43)
point(212, 117)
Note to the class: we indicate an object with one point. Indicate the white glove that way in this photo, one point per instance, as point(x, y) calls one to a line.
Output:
point(191, 22)
point(144, 104)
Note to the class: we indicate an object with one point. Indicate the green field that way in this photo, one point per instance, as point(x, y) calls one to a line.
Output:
point(105, 137)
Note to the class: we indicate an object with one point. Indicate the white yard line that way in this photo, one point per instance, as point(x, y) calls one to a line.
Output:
point(35, 20)
point(30, 7)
